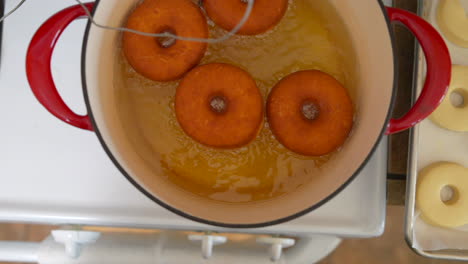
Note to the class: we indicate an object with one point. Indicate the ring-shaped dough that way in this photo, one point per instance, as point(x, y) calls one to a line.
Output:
point(219, 105)
point(227, 14)
point(447, 115)
point(148, 56)
point(452, 19)
point(320, 95)
point(431, 180)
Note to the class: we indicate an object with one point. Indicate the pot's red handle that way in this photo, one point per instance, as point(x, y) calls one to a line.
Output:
point(38, 69)
point(439, 70)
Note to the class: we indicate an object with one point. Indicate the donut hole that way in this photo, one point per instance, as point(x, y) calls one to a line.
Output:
point(449, 194)
point(218, 104)
point(457, 98)
point(166, 42)
point(310, 110)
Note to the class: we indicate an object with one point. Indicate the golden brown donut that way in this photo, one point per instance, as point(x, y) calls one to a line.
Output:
point(219, 105)
point(228, 13)
point(310, 113)
point(159, 59)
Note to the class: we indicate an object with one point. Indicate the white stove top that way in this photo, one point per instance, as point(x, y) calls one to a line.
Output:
point(54, 173)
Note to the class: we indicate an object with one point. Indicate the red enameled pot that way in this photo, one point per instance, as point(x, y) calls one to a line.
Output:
point(369, 24)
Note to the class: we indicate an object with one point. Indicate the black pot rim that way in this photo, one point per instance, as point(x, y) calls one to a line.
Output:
point(226, 225)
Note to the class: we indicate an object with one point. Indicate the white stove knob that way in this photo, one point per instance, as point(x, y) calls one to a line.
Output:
point(208, 242)
point(74, 240)
point(277, 245)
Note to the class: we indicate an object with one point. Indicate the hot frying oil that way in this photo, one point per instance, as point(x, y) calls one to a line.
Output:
point(264, 168)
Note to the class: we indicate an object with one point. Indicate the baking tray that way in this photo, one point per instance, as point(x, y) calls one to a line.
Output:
point(444, 144)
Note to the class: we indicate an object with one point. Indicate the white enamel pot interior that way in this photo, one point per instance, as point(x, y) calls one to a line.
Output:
point(374, 70)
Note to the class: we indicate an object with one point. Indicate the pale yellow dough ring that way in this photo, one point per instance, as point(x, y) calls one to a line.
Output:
point(431, 180)
point(447, 115)
point(453, 21)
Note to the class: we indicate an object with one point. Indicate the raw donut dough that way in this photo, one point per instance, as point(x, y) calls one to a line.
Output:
point(447, 115)
point(431, 180)
point(452, 19)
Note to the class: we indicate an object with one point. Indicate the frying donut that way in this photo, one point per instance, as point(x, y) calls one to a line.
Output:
point(219, 105)
point(165, 59)
point(228, 13)
point(310, 113)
